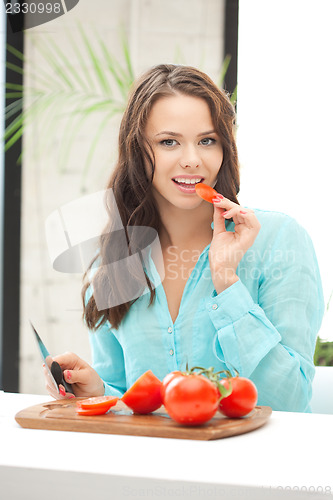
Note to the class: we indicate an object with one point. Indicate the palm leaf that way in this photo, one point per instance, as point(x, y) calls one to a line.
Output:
point(15, 52)
point(14, 67)
point(96, 64)
point(13, 108)
point(69, 93)
point(121, 78)
point(65, 62)
point(88, 83)
point(94, 144)
point(233, 97)
point(57, 64)
point(128, 61)
point(9, 95)
point(224, 69)
point(14, 86)
point(15, 136)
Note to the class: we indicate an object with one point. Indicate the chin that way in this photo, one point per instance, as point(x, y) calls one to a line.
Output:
point(182, 202)
point(188, 204)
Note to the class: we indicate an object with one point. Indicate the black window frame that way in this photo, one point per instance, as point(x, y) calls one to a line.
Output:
point(231, 17)
point(11, 247)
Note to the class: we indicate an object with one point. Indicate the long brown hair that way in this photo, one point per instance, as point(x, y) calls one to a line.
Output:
point(130, 183)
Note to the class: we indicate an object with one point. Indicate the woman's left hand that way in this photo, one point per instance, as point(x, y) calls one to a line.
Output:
point(227, 248)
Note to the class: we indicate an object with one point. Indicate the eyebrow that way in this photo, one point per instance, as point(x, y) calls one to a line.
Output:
point(175, 134)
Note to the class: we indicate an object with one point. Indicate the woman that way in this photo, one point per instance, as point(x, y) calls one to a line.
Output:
point(242, 292)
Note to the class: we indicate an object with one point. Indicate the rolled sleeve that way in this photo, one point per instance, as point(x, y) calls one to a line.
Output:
point(230, 305)
point(244, 335)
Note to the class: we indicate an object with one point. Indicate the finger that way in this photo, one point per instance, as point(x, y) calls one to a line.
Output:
point(222, 202)
point(236, 214)
point(67, 374)
point(64, 394)
point(61, 395)
point(49, 380)
point(68, 360)
point(69, 395)
point(231, 213)
point(82, 376)
point(242, 218)
point(238, 219)
point(250, 219)
point(52, 392)
point(219, 223)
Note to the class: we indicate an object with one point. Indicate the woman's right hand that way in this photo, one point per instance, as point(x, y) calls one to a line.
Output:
point(84, 379)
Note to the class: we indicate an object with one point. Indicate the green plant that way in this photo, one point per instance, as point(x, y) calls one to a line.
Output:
point(96, 83)
point(323, 355)
point(221, 78)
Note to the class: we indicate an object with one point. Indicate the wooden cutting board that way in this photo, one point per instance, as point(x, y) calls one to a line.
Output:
point(61, 415)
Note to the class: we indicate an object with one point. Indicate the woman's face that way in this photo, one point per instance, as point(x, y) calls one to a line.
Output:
point(187, 149)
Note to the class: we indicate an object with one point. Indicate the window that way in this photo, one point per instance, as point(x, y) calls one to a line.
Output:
point(285, 108)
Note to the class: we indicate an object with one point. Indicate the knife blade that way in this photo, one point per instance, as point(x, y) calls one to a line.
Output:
point(56, 376)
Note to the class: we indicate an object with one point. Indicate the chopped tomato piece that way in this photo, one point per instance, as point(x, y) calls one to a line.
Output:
point(99, 402)
point(205, 192)
point(144, 396)
point(92, 411)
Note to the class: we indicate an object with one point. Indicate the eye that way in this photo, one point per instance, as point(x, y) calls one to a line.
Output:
point(208, 141)
point(169, 142)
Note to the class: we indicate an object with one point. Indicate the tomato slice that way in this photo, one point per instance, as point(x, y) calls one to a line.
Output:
point(92, 411)
point(99, 402)
point(205, 192)
point(144, 396)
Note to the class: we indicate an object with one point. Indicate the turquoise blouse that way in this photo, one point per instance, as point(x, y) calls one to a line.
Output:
point(265, 325)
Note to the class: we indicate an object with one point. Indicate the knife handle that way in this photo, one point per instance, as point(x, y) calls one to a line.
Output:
point(59, 377)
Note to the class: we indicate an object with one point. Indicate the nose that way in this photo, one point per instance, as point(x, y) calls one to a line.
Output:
point(189, 165)
point(190, 158)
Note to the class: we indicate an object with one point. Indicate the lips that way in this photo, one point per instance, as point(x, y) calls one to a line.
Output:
point(186, 184)
point(187, 180)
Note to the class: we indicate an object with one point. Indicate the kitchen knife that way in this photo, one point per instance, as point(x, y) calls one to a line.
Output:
point(56, 376)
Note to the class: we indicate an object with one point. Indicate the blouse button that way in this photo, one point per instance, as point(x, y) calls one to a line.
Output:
point(171, 352)
point(170, 329)
point(214, 306)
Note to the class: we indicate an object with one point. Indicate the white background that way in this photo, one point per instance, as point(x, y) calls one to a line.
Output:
point(285, 108)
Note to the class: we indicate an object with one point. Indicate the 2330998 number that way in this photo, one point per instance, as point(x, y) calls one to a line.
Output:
point(33, 8)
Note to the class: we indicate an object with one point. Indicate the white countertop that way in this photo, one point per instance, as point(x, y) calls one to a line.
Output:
point(289, 457)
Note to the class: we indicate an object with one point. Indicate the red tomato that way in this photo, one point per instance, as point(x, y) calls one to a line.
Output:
point(243, 398)
point(191, 399)
point(205, 192)
point(144, 396)
point(100, 402)
point(167, 379)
